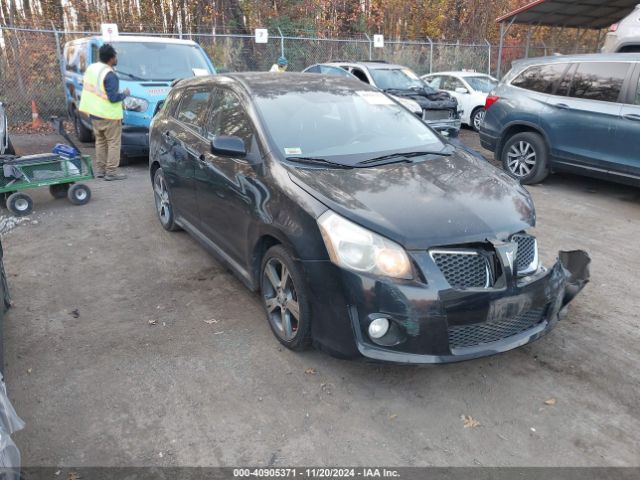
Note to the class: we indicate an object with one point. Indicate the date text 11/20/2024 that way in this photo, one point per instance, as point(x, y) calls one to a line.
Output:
point(315, 473)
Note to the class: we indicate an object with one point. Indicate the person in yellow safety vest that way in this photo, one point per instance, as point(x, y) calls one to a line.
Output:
point(103, 103)
point(281, 66)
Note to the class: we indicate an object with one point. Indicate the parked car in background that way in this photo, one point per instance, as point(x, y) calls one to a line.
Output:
point(438, 109)
point(146, 66)
point(624, 36)
point(577, 113)
point(469, 88)
point(364, 231)
point(6, 148)
point(324, 69)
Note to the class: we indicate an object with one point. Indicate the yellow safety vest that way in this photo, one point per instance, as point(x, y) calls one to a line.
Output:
point(94, 100)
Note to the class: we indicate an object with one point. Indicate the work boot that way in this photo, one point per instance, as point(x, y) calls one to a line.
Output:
point(115, 176)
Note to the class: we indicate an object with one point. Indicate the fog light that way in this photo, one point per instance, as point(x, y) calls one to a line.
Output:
point(378, 328)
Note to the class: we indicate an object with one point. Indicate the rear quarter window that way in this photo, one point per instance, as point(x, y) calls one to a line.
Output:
point(599, 81)
point(540, 78)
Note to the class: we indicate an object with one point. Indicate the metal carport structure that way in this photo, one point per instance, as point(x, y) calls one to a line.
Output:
point(579, 14)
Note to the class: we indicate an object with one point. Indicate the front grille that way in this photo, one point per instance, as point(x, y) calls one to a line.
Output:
point(463, 269)
point(436, 114)
point(526, 253)
point(461, 336)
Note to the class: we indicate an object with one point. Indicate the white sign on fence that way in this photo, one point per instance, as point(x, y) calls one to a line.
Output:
point(378, 41)
point(109, 31)
point(262, 35)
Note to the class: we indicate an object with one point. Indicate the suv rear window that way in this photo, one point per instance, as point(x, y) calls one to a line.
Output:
point(540, 78)
point(599, 81)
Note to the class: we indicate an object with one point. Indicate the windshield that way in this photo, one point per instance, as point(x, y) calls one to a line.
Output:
point(159, 61)
point(344, 125)
point(395, 78)
point(482, 84)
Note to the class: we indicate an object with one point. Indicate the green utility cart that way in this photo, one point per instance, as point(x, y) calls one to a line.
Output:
point(60, 171)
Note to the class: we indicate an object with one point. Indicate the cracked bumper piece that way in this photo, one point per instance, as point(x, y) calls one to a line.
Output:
point(429, 322)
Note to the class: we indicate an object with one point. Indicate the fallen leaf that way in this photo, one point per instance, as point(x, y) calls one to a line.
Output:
point(73, 476)
point(29, 370)
point(469, 421)
point(75, 313)
point(393, 416)
point(551, 401)
point(153, 322)
point(211, 322)
point(310, 371)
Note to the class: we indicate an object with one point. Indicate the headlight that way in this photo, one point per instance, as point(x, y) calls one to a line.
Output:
point(135, 104)
point(356, 248)
point(410, 104)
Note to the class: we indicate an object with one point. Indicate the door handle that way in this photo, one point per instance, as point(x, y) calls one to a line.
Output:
point(632, 116)
point(562, 106)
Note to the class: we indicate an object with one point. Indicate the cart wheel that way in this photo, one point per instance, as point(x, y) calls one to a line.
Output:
point(79, 194)
point(20, 204)
point(59, 191)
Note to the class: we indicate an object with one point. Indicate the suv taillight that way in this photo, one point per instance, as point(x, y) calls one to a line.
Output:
point(491, 99)
point(613, 27)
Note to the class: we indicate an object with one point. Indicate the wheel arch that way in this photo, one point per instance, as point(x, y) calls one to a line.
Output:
point(515, 128)
point(153, 168)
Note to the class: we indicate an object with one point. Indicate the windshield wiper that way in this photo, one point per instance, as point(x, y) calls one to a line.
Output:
point(402, 157)
point(130, 75)
point(317, 161)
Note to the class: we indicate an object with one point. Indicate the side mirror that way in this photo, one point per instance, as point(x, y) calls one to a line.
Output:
point(461, 90)
point(228, 146)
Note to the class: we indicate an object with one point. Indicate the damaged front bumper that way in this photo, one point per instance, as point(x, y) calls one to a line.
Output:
point(449, 128)
point(433, 323)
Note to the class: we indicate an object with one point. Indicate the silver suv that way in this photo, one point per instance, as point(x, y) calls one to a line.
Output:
point(578, 113)
point(625, 35)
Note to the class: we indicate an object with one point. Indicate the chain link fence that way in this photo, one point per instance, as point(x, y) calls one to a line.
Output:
point(31, 60)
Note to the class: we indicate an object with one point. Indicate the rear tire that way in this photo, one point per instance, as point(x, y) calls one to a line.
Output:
point(79, 194)
point(162, 199)
point(59, 191)
point(524, 157)
point(20, 204)
point(83, 133)
point(285, 299)
point(477, 116)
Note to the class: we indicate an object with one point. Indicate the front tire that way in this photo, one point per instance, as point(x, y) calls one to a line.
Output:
point(162, 199)
point(79, 194)
point(524, 157)
point(477, 116)
point(285, 299)
point(84, 134)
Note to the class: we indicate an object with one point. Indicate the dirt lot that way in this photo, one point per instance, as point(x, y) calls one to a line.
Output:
point(141, 378)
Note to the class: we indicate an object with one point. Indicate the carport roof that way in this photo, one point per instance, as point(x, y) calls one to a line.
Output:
point(571, 13)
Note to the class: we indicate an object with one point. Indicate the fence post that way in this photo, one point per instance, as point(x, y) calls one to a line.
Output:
point(281, 42)
point(58, 53)
point(545, 47)
point(370, 46)
point(430, 54)
point(488, 57)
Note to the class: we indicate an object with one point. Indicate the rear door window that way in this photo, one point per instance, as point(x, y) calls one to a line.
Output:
point(540, 78)
point(599, 81)
point(565, 83)
point(193, 108)
point(451, 83)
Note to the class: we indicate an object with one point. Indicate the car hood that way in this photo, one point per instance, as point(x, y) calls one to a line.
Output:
point(436, 202)
point(426, 98)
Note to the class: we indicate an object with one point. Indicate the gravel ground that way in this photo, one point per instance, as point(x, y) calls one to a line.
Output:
point(129, 345)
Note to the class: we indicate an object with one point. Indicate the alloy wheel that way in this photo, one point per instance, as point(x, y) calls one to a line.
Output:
point(163, 205)
point(281, 299)
point(477, 119)
point(521, 159)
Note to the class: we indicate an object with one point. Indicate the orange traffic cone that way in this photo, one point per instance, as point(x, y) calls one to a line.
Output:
point(36, 121)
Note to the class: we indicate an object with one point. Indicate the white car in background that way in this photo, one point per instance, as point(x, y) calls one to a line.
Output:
point(471, 90)
point(624, 36)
